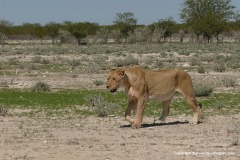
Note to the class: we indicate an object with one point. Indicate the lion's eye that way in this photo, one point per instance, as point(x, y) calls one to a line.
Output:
point(114, 79)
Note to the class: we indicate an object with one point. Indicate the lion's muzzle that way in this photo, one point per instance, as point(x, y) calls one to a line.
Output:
point(111, 89)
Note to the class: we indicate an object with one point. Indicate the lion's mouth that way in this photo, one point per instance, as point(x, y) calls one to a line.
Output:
point(113, 90)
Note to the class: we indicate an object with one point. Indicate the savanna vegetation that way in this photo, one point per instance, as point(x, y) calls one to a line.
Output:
point(203, 21)
point(60, 68)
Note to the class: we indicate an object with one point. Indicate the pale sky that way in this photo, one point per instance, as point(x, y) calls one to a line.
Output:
point(98, 11)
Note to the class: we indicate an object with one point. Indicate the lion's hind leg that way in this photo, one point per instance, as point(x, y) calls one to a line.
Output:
point(165, 111)
point(191, 100)
point(185, 87)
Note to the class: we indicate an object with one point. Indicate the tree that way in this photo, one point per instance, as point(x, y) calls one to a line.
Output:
point(126, 23)
point(34, 30)
point(53, 29)
point(103, 34)
point(81, 30)
point(5, 27)
point(166, 26)
point(207, 17)
point(143, 34)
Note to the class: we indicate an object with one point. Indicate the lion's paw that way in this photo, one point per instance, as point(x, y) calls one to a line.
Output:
point(193, 122)
point(163, 118)
point(136, 125)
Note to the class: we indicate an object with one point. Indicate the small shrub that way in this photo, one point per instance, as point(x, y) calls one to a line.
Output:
point(36, 59)
point(127, 61)
point(233, 62)
point(148, 60)
point(98, 82)
point(219, 68)
point(45, 61)
point(74, 75)
point(99, 59)
point(184, 52)
point(3, 111)
point(201, 90)
point(130, 61)
point(64, 36)
point(4, 84)
point(93, 68)
point(118, 62)
point(159, 64)
point(207, 58)
point(32, 66)
point(201, 69)
point(101, 107)
point(219, 105)
point(74, 63)
point(228, 82)
point(13, 61)
point(41, 87)
point(195, 61)
point(3, 38)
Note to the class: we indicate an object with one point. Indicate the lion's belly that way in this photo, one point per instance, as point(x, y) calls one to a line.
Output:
point(162, 97)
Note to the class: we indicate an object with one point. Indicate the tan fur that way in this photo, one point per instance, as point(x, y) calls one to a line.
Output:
point(141, 85)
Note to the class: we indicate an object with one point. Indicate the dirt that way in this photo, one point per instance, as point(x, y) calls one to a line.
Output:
point(22, 138)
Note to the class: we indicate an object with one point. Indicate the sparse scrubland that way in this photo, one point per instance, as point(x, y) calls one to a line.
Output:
point(54, 95)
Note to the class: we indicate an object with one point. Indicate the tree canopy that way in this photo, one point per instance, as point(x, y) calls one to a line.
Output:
point(207, 17)
point(125, 22)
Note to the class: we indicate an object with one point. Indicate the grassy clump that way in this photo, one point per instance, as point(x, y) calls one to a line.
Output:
point(98, 82)
point(201, 69)
point(41, 87)
point(219, 68)
point(127, 61)
point(3, 111)
point(228, 82)
point(102, 108)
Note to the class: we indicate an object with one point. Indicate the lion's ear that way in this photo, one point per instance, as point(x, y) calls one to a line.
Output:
point(112, 70)
point(121, 72)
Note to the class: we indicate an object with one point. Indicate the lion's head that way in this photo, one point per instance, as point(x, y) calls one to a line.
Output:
point(115, 79)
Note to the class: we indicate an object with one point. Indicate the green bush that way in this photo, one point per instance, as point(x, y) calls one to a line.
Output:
point(41, 87)
point(201, 90)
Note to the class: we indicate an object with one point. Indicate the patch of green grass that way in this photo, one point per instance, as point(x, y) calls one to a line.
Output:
point(73, 102)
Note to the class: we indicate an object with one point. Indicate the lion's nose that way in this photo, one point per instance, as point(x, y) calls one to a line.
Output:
point(107, 86)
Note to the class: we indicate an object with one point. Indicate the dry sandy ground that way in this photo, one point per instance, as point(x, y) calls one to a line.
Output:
point(22, 138)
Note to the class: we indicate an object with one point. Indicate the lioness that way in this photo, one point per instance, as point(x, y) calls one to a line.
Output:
point(141, 85)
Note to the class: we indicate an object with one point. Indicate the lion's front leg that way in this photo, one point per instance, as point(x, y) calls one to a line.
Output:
point(140, 109)
point(131, 105)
